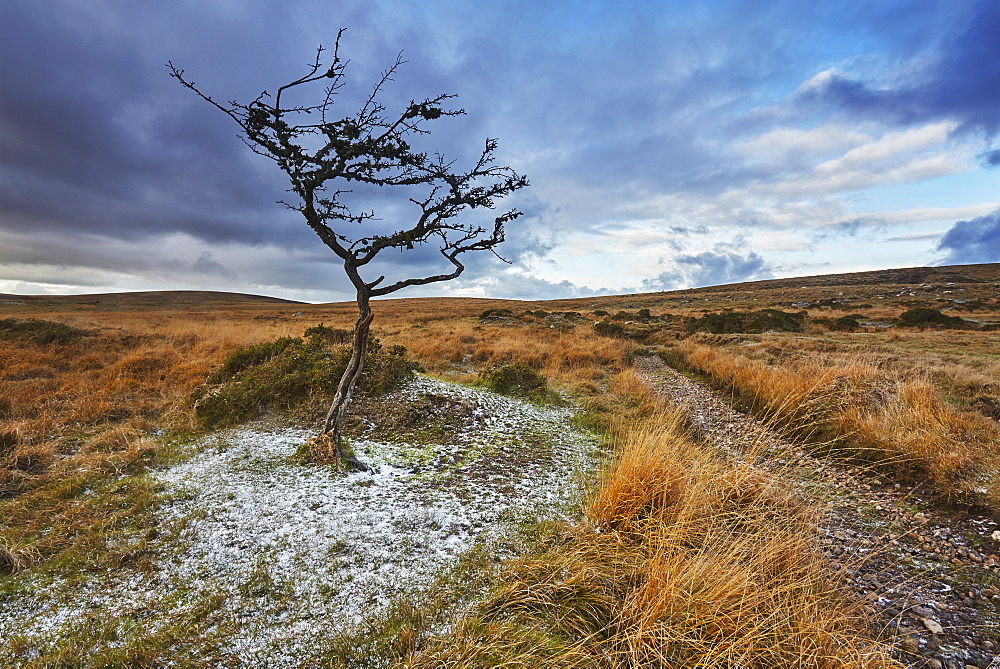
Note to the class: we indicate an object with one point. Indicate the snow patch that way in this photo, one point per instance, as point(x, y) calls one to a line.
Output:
point(298, 551)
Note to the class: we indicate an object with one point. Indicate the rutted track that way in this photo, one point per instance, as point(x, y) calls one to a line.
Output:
point(931, 578)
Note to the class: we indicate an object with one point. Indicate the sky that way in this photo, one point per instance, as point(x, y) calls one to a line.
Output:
point(668, 144)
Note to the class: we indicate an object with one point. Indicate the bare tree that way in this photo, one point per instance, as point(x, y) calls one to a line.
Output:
point(322, 155)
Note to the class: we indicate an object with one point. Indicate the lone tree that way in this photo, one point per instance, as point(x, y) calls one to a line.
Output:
point(323, 154)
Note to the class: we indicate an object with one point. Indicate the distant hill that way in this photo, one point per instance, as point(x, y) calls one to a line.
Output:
point(973, 286)
point(153, 299)
point(984, 273)
point(901, 287)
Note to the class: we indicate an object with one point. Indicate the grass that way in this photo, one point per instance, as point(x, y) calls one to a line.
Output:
point(681, 558)
point(890, 412)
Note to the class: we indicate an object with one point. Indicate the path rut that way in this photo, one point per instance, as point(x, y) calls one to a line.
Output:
point(929, 576)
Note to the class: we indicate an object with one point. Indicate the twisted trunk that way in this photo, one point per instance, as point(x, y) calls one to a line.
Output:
point(330, 437)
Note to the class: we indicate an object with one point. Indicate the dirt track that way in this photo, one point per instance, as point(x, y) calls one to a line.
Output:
point(929, 575)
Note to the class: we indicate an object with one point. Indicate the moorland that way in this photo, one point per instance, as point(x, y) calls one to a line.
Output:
point(678, 551)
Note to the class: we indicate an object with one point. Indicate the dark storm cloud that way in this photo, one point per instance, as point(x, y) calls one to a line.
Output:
point(991, 158)
point(96, 140)
point(94, 137)
point(973, 241)
point(611, 109)
point(207, 264)
point(961, 83)
point(725, 263)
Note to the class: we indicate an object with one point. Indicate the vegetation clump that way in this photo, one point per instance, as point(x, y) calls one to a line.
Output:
point(518, 378)
point(842, 324)
point(496, 313)
point(609, 329)
point(39, 331)
point(748, 322)
point(283, 373)
point(925, 317)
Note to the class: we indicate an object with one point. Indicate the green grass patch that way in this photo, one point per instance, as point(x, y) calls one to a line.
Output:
point(518, 379)
point(286, 372)
point(39, 331)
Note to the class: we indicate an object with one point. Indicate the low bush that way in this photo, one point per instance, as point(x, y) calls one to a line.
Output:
point(518, 378)
point(842, 324)
point(748, 322)
point(497, 313)
point(924, 317)
point(609, 329)
point(38, 331)
point(283, 373)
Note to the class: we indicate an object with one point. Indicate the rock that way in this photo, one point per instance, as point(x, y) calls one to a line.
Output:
point(996, 535)
point(922, 612)
point(933, 626)
point(933, 663)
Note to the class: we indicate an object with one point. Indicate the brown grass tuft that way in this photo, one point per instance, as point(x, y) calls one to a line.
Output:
point(900, 422)
point(684, 559)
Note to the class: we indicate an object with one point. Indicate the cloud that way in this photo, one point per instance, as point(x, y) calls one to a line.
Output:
point(914, 237)
point(991, 158)
point(960, 81)
point(854, 227)
point(207, 264)
point(520, 286)
point(725, 263)
point(973, 241)
point(645, 133)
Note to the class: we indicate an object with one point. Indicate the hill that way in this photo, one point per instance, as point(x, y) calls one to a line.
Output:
point(150, 299)
point(962, 287)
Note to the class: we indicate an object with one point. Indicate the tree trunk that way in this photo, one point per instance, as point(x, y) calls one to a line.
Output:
point(330, 436)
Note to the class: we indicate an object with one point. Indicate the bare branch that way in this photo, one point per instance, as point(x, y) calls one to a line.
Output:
point(323, 158)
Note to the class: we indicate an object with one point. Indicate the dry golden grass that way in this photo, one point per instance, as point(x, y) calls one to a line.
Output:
point(683, 559)
point(73, 415)
point(890, 414)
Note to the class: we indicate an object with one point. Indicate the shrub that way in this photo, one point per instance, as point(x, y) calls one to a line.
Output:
point(330, 335)
point(748, 322)
point(600, 313)
point(842, 324)
point(497, 313)
point(609, 329)
point(923, 317)
point(846, 324)
point(283, 373)
point(251, 356)
point(518, 378)
point(38, 331)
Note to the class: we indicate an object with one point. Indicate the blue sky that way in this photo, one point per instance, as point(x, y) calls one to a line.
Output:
point(668, 144)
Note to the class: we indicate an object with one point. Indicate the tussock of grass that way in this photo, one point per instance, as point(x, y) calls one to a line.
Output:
point(38, 331)
point(515, 379)
point(683, 559)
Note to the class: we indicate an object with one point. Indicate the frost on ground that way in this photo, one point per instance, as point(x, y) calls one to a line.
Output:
point(269, 556)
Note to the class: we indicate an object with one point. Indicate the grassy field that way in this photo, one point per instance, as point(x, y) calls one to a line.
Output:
point(679, 559)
